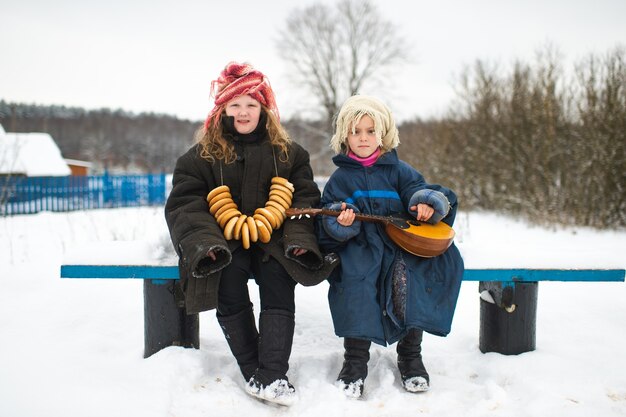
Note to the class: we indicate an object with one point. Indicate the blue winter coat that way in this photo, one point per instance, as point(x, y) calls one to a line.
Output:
point(361, 296)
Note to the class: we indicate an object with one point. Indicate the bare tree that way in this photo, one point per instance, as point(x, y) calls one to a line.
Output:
point(335, 50)
point(601, 106)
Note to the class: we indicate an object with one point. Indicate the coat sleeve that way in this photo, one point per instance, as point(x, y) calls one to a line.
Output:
point(452, 199)
point(411, 181)
point(436, 199)
point(193, 229)
point(333, 194)
point(301, 233)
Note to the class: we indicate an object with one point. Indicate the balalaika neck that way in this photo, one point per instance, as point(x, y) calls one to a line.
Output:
point(358, 216)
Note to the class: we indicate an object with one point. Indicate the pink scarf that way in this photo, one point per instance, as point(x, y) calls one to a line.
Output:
point(367, 161)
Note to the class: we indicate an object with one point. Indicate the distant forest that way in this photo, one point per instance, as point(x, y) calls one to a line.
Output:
point(530, 141)
point(121, 141)
point(111, 139)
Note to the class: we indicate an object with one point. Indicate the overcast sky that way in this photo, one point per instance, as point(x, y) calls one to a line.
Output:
point(160, 56)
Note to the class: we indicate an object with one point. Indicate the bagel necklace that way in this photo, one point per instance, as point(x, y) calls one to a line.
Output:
point(262, 223)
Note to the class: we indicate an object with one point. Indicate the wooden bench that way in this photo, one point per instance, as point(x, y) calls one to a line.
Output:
point(508, 302)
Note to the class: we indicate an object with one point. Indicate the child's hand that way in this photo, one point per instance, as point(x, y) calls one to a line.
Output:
point(347, 216)
point(299, 251)
point(343, 224)
point(424, 211)
point(429, 205)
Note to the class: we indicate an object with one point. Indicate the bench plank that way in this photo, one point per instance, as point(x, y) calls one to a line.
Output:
point(535, 275)
point(163, 272)
point(119, 271)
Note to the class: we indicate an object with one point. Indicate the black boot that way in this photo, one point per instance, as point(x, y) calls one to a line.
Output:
point(270, 381)
point(243, 339)
point(352, 376)
point(412, 370)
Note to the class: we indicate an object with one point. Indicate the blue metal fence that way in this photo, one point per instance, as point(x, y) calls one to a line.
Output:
point(27, 195)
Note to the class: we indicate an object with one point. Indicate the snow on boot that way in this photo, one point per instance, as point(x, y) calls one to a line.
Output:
point(412, 369)
point(270, 382)
point(353, 390)
point(351, 379)
point(279, 391)
point(243, 339)
point(415, 384)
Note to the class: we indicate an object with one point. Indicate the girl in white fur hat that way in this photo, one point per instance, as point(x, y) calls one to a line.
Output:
point(381, 293)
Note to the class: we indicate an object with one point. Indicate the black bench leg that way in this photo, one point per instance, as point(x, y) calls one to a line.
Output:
point(508, 326)
point(165, 321)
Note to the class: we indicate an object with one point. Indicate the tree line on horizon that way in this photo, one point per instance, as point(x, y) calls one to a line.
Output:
point(114, 140)
point(536, 140)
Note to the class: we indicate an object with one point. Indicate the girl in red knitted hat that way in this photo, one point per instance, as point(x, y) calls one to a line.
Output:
point(225, 214)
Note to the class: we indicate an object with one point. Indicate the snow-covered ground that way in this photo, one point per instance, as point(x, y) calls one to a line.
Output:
point(75, 347)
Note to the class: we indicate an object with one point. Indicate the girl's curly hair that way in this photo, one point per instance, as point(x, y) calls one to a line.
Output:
point(213, 145)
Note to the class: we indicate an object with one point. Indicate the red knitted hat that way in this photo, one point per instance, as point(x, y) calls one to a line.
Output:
point(238, 80)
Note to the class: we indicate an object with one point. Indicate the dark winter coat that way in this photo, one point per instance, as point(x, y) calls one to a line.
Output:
point(195, 232)
point(362, 299)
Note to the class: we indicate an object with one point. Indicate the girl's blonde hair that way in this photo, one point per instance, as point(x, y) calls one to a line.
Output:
point(213, 145)
point(351, 113)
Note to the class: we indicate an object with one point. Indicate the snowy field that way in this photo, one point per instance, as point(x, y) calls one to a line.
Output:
point(75, 347)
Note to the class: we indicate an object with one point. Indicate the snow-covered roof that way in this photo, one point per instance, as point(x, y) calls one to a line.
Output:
point(31, 154)
point(78, 163)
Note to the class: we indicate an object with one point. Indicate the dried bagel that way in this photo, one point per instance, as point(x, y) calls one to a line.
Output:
point(227, 215)
point(263, 220)
point(277, 214)
point(277, 206)
point(279, 187)
point(288, 197)
point(284, 182)
point(238, 226)
point(224, 208)
point(283, 203)
point(252, 229)
point(245, 236)
point(216, 206)
point(269, 216)
point(221, 196)
point(229, 228)
point(216, 191)
point(264, 234)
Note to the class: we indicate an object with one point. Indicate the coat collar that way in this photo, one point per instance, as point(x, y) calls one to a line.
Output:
point(388, 158)
point(259, 133)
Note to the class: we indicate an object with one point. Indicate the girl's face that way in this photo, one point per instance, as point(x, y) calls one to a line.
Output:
point(363, 142)
point(246, 112)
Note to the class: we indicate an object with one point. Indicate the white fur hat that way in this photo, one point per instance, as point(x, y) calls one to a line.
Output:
point(351, 113)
